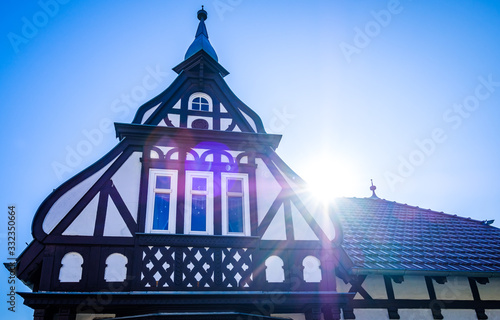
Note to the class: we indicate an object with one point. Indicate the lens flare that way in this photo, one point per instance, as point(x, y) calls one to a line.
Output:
point(329, 177)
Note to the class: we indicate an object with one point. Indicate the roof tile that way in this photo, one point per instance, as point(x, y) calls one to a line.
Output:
point(380, 234)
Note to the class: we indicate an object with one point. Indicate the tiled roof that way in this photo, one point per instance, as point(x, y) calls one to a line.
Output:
point(385, 235)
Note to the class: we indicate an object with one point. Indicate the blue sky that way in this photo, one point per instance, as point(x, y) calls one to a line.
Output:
point(406, 93)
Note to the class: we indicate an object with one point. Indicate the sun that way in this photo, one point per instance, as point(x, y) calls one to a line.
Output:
point(329, 177)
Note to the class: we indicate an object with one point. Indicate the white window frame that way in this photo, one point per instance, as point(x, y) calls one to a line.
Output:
point(225, 176)
point(152, 190)
point(200, 95)
point(189, 199)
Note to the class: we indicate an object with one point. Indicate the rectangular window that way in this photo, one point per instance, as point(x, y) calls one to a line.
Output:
point(199, 203)
point(235, 204)
point(162, 198)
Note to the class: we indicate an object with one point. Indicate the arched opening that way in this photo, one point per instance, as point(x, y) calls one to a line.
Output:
point(116, 268)
point(312, 270)
point(274, 269)
point(71, 267)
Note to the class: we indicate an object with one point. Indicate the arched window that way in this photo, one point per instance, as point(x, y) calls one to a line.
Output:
point(116, 270)
point(274, 269)
point(71, 267)
point(312, 270)
point(199, 101)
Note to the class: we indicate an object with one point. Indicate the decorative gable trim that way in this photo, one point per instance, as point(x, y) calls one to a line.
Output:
point(102, 188)
point(200, 58)
point(234, 140)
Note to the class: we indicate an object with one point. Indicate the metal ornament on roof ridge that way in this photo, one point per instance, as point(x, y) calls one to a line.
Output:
point(373, 188)
point(202, 14)
point(201, 41)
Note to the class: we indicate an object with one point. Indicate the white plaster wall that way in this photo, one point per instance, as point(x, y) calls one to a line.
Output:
point(375, 286)
point(68, 200)
point(189, 156)
point(114, 226)
point(127, 181)
point(459, 314)
point(371, 314)
point(250, 121)
point(234, 153)
point(358, 296)
point(413, 287)
point(456, 288)
point(267, 189)
point(277, 228)
point(177, 105)
point(175, 119)
point(342, 286)
point(154, 154)
point(493, 314)
point(222, 109)
point(415, 314)
point(322, 217)
point(294, 316)
point(491, 290)
point(225, 123)
point(315, 208)
point(148, 113)
point(84, 223)
point(224, 158)
point(301, 229)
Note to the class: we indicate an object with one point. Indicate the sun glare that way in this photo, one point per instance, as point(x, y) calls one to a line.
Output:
point(328, 178)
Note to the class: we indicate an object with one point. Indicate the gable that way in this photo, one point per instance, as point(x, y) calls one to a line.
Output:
point(176, 106)
point(104, 201)
point(80, 206)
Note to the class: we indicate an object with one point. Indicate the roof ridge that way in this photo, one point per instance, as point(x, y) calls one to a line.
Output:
point(453, 215)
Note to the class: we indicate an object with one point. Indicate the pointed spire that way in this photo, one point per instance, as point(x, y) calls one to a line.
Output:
point(201, 39)
point(373, 188)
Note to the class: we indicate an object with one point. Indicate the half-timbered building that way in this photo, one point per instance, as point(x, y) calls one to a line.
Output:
point(193, 215)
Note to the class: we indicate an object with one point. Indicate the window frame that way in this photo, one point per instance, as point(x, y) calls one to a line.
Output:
point(200, 95)
point(225, 177)
point(152, 191)
point(209, 176)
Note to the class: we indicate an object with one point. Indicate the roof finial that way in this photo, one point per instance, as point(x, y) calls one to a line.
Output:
point(202, 14)
point(201, 38)
point(373, 188)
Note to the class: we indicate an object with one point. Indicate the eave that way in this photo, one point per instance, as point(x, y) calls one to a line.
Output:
point(208, 300)
point(198, 316)
point(201, 57)
point(185, 136)
point(429, 273)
